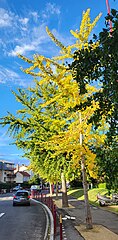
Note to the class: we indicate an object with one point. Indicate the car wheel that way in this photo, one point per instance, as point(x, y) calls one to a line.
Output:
point(14, 204)
point(102, 204)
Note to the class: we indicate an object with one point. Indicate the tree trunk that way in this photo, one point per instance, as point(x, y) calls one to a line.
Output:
point(87, 206)
point(57, 190)
point(64, 191)
point(50, 189)
point(85, 187)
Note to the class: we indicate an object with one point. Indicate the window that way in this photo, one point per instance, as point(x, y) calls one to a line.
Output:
point(22, 194)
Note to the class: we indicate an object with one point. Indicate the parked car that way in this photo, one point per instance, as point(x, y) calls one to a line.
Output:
point(105, 201)
point(35, 187)
point(21, 197)
point(16, 188)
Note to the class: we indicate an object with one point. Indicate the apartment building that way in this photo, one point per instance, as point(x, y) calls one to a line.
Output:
point(7, 172)
point(10, 174)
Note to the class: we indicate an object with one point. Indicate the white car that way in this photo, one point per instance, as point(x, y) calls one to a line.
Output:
point(35, 187)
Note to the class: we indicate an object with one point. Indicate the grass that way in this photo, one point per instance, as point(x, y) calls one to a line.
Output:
point(92, 193)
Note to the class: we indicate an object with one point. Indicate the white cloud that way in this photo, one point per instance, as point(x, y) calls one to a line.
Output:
point(4, 72)
point(37, 37)
point(24, 21)
point(11, 20)
point(24, 29)
point(29, 35)
point(11, 154)
point(22, 49)
point(51, 9)
point(5, 18)
point(35, 16)
point(24, 34)
point(4, 139)
point(9, 76)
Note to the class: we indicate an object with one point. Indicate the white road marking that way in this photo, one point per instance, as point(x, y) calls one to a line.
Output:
point(1, 214)
point(73, 200)
point(64, 218)
point(69, 217)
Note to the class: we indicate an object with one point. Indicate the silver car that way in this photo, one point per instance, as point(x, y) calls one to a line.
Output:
point(21, 197)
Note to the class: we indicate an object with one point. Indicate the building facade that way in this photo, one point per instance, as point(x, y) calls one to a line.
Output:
point(7, 172)
point(22, 177)
point(23, 168)
point(10, 174)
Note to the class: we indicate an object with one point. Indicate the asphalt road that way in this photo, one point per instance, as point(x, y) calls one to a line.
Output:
point(21, 222)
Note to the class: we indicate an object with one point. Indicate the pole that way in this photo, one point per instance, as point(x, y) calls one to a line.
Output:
point(54, 214)
point(61, 227)
point(108, 10)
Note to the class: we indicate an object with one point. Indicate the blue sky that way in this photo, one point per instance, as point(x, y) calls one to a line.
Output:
point(22, 30)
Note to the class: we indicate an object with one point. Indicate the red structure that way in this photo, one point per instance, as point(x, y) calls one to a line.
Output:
point(108, 10)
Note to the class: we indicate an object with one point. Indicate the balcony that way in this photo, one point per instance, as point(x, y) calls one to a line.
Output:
point(11, 175)
point(8, 168)
point(1, 165)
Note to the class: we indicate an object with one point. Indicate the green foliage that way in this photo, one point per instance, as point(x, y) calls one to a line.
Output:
point(99, 66)
point(102, 185)
point(6, 186)
point(108, 164)
point(35, 180)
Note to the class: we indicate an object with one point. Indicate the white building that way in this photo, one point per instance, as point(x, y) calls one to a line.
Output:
point(22, 177)
point(23, 168)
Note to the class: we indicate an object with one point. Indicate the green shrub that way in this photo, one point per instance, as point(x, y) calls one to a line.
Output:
point(6, 186)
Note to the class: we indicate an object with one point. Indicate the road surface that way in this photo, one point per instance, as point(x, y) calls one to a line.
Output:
point(21, 222)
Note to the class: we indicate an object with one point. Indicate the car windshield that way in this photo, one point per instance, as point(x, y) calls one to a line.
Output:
point(23, 194)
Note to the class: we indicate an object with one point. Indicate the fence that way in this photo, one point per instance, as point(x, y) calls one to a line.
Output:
point(47, 200)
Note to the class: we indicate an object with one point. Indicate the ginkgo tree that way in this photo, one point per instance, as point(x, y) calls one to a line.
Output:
point(53, 130)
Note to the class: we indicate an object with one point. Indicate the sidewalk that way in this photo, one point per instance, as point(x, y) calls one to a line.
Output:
point(105, 223)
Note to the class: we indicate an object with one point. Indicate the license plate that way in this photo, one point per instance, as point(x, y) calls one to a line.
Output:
point(22, 199)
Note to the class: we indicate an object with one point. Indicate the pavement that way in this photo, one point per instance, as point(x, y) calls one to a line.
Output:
point(105, 223)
